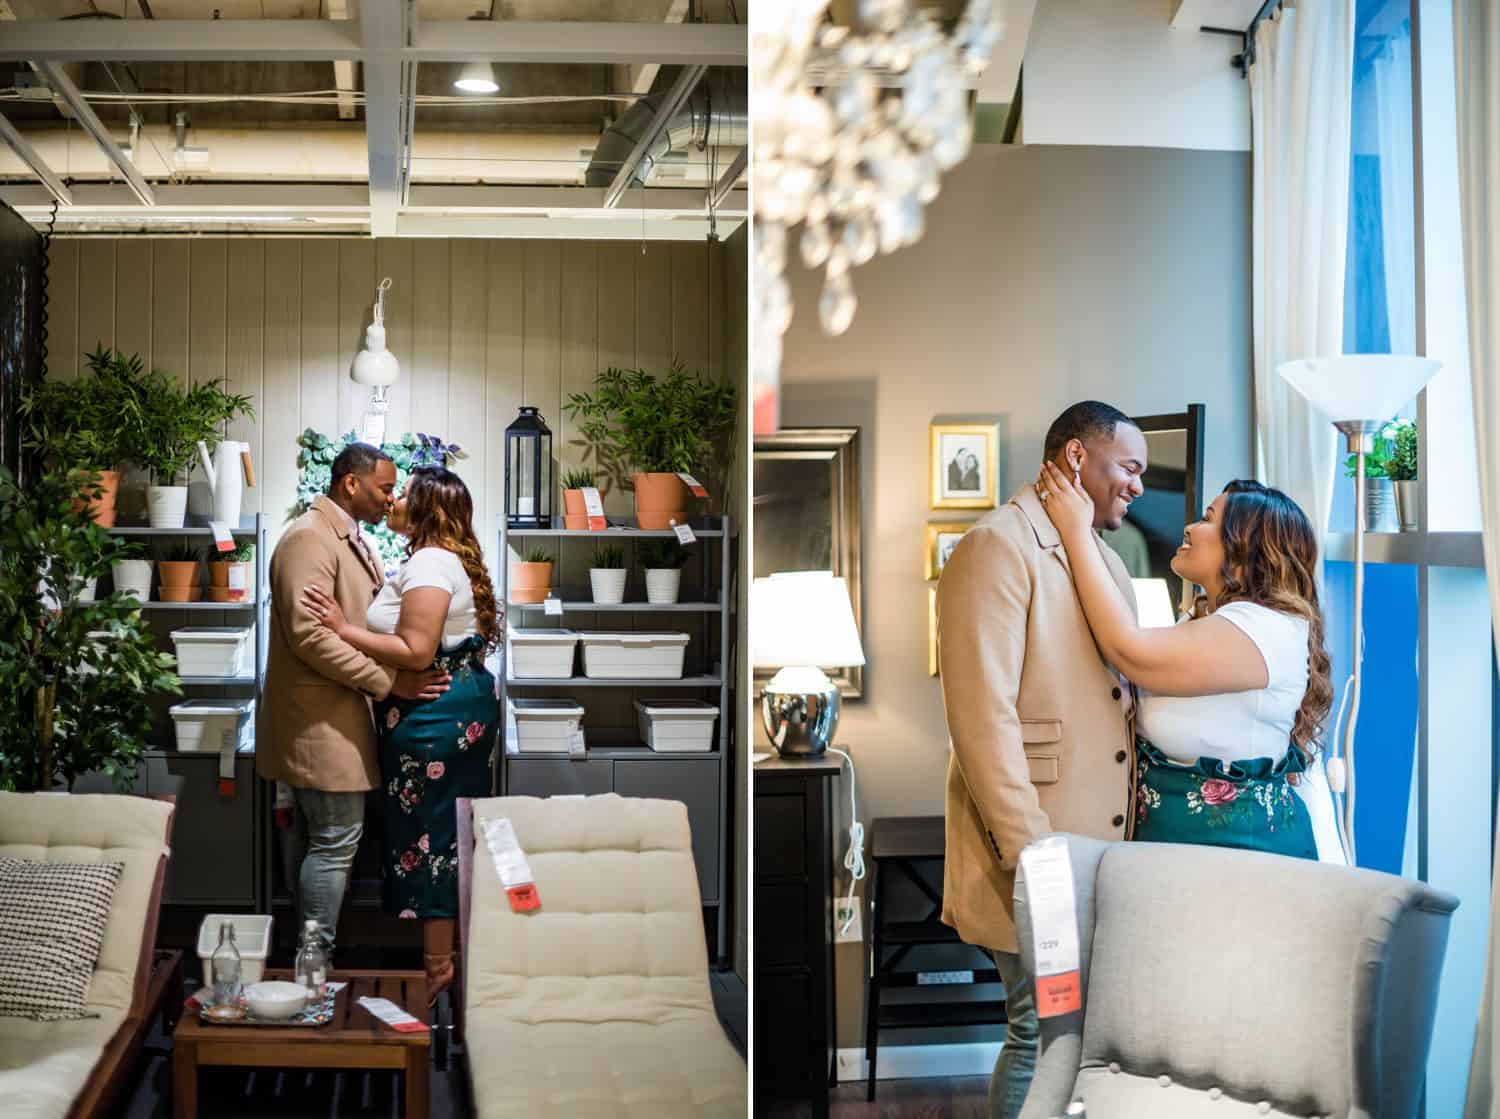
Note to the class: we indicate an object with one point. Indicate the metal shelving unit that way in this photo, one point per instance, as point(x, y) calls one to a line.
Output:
point(614, 759)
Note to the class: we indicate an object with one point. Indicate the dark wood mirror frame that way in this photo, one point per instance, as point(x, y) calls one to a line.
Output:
point(1190, 421)
point(839, 447)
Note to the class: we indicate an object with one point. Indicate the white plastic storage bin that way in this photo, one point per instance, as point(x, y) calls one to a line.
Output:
point(214, 650)
point(210, 725)
point(541, 654)
point(676, 726)
point(252, 936)
point(544, 726)
point(649, 656)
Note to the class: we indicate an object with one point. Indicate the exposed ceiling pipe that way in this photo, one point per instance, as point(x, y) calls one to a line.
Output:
point(693, 127)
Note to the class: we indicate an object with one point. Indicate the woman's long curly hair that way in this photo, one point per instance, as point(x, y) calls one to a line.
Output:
point(1271, 558)
point(440, 514)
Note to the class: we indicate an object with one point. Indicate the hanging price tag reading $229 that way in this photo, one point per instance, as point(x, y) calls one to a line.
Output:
point(1054, 926)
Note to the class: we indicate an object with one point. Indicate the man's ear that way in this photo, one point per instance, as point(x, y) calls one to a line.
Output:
point(1074, 454)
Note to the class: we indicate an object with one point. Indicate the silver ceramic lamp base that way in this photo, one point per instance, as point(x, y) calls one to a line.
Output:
point(800, 712)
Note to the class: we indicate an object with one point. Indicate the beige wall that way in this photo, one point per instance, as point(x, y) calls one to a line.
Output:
point(480, 328)
point(1047, 275)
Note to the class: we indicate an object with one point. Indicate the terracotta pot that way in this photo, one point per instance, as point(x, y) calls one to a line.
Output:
point(219, 580)
point(575, 512)
point(530, 582)
point(190, 593)
point(103, 506)
point(660, 499)
point(175, 575)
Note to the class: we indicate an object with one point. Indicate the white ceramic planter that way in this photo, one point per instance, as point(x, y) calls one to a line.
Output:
point(663, 585)
point(167, 506)
point(89, 590)
point(133, 577)
point(609, 585)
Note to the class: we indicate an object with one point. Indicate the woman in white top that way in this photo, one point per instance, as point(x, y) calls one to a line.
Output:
point(1233, 699)
point(439, 612)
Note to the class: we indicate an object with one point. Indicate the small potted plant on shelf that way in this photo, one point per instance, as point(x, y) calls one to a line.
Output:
point(1380, 494)
point(575, 513)
point(176, 420)
point(1401, 468)
point(531, 576)
point(663, 560)
point(88, 426)
point(607, 575)
point(229, 575)
point(178, 570)
point(76, 677)
point(645, 431)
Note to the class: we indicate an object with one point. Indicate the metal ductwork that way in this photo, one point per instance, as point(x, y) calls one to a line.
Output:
point(696, 127)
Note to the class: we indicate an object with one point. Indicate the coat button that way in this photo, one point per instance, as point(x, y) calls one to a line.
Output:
point(1115, 693)
point(1120, 755)
point(1119, 821)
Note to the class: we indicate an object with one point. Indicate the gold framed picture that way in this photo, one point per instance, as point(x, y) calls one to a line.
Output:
point(942, 538)
point(965, 465)
point(933, 668)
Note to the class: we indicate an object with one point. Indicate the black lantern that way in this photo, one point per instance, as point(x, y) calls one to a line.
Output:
point(528, 471)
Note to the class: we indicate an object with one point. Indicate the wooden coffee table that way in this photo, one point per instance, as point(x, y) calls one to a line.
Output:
point(354, 1039)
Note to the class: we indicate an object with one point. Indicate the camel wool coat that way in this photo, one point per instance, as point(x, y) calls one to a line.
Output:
point(1041, 737)
point(316, 730)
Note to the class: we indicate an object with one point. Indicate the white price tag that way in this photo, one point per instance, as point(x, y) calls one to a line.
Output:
point(223, 541)
point(593, 505)
point(392, 1015)
point(552, 606)
point(237, 577)
point(1054, 926)
point(684, 533)
point(511, 866)
point(577, 747)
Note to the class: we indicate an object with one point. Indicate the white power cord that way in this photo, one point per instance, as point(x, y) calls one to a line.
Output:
point(854, 858)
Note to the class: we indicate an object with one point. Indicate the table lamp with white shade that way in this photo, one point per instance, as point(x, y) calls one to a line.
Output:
point(1359, 393)
point(801, 622)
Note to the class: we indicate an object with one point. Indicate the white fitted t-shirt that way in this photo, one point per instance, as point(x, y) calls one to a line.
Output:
point(428, 567)
point(1233, 726)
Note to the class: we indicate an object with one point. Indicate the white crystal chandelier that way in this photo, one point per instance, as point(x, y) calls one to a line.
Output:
point(852, 130)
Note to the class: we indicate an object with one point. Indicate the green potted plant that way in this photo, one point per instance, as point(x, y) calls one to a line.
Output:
point(1380, 493)
point(531, 576)
point(1401, 468)
point(575, 513)
point(229, 574)
point(178, 572)
point(175, 421)
point(644, 431)
point(662, 561)
point(88, 427)
point(76, 677)
point(607, 575)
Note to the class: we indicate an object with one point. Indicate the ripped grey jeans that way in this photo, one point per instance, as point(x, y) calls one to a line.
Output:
point(325, 835)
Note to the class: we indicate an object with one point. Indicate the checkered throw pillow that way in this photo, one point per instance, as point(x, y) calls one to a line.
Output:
point(52, 919)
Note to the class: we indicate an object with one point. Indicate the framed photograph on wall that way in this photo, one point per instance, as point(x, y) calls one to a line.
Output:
point(965, 465)
point(942, 538)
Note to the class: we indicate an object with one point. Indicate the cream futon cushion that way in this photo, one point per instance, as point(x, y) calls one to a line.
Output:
point(598, 1004)
point(44, 1065)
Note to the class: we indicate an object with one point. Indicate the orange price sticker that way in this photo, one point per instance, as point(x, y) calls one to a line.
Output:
point(1058, 994)
point(523, 899)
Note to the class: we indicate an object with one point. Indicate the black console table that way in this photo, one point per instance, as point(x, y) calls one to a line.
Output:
point(794, 975)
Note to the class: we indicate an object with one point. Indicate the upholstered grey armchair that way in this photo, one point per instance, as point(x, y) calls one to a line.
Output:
point(1229, 984)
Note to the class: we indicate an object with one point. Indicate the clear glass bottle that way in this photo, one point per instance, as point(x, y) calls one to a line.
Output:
point(225, 964)
point(312, 962)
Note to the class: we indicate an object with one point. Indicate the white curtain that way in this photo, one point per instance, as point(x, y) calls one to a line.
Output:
point(1300, 94)
point(1476, 45)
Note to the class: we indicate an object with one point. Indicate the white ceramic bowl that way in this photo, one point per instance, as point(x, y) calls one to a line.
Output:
point(275, 998)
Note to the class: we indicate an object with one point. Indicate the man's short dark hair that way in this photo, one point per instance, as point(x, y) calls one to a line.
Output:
point(1083, 421)
point(357, 459)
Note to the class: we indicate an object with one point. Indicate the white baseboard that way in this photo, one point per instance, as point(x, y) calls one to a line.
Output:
point(912, 1062)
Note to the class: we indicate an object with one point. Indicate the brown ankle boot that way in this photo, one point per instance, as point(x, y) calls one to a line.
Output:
point(439, 974)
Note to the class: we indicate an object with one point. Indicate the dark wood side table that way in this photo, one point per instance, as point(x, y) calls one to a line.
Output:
point(354, 1039)
point(794, 1044)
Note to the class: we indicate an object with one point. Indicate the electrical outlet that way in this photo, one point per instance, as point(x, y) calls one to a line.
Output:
point(856, 933)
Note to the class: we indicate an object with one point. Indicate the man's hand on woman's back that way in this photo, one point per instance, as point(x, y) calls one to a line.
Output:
point(420, 685)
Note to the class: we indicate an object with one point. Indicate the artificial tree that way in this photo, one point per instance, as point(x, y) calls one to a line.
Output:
point(76, 677)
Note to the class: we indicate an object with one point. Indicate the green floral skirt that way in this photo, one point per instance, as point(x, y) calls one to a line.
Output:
point(431, 753)
point(1249, 803)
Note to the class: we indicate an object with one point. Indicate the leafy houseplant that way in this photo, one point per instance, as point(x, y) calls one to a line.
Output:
point(643, 431)
point(663, 561)
point(575, 511)
point(89, 426)
point(1384, 464)
point(176, 420)
point(607, 575)
point(531, 576)
point(76, 677)
point(229, 573)
point(410, 451)
point(1401, 468)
